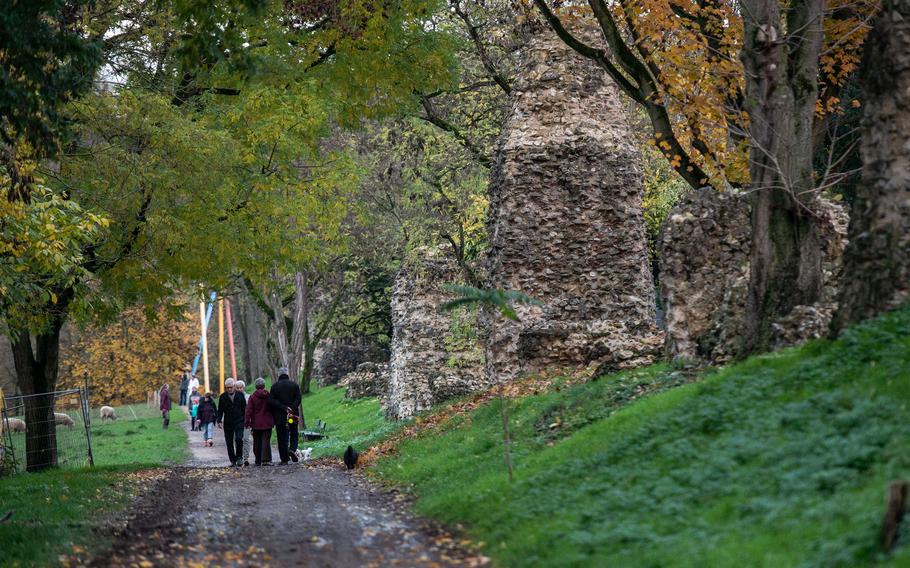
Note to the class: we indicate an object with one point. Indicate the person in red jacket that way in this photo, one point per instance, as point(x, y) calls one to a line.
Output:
point(165, 405)
point(258, 417)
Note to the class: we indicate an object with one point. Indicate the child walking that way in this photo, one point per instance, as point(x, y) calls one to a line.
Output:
point(207, 413)
point(194, 410)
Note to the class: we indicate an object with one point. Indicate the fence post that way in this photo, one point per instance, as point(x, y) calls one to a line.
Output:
point(4, 428)
point(87, 421)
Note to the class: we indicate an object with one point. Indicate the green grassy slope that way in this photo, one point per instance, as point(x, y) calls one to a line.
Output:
point(782, 460)
point(357, 422)
point(56, 510)
point(136, 437)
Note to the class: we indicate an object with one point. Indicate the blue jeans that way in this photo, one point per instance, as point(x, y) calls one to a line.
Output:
point(208, 431)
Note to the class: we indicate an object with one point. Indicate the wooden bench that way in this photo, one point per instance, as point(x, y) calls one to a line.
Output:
point(317, 434)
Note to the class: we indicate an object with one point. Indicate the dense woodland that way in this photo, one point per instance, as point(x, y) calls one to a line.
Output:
point(291, 155)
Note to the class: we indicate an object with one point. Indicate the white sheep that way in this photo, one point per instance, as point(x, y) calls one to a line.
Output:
point(15, 425)
point(107, 413)
point(64, 419)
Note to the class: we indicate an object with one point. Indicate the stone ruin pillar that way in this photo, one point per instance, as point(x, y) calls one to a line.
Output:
point(435, 355)
point(566, 224)
point(704, 273)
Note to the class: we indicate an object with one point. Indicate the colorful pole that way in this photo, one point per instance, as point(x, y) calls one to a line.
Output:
point(205, 347)
point(227, 308)
point(220, 345)
point(208, 317)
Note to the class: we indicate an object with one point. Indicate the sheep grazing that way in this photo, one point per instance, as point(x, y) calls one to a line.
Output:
point(15, 425)
point(64, 420)
point(107, 413)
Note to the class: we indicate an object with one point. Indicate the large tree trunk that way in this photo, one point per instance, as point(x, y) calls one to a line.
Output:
point(252, 336)
point(309, 365)
point(781, 88)
point(877, 259)
point(36, 374)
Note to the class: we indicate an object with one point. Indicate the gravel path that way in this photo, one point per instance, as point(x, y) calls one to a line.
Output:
point(315, 515)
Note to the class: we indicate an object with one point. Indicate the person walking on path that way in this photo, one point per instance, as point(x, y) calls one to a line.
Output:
point(184, 387)
point(240, 387)
point(165, 405)
point(231, 415)
point(286, 394)
point(193, 384)
point(194, 412)
point(208, 414)
point(193, 405)
point(259, 418)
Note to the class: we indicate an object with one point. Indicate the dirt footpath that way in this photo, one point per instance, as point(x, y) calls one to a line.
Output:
point(312, 515)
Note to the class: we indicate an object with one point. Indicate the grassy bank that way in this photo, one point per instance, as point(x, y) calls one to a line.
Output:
point(137, 438)
point(782, 460)
point(55, 511)
point(357, 422)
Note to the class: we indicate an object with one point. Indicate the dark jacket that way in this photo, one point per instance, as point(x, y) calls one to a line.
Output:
point(207, 411)
point(232, 413)
point(184, 383)
point(287, 394)
point(258, 412)
point(165, 400)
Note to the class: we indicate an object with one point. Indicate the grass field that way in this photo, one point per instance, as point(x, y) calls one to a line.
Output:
point(360, 423)
point(780, 461)
point(56, 510)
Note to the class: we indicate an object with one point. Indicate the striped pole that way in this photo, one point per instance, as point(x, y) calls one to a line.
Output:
point(205, 348)
point(220, 345)
point(230, 325)
point(205, 327)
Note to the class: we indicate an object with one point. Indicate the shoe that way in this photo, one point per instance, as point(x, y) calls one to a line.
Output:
point(246, 464)
point(283, 463)
point(294, 458)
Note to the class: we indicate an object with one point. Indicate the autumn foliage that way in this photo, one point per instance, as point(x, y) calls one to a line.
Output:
point(127, 359)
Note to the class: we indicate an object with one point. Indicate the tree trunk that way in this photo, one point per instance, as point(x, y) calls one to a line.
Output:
point(781, 88)
point(877, 259)
point(309, 365)
point(253, 333)
point(301, 334)
point(36, 374)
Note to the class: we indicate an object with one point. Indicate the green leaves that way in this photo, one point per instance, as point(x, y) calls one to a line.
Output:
point(42, 243)
point(499, 299)
point(44, 63)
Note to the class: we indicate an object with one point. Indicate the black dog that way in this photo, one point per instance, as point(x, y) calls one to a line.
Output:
point(350, 457)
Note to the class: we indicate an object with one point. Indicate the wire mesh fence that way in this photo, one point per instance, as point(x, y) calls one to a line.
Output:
point(47, 429)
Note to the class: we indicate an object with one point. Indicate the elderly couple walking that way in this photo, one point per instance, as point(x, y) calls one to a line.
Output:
point(259, 413)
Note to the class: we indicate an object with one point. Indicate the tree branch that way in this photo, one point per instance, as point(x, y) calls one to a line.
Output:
point(481, 48)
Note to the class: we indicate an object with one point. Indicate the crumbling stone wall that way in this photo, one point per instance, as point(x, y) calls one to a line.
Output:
point(337, 357)
point(566, 224)
point(704, 273)
point(369, 379)
point(426, 366)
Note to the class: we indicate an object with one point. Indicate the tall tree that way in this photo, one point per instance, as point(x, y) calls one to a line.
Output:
point(781, 59)
point(716, 82)
point(877, 259)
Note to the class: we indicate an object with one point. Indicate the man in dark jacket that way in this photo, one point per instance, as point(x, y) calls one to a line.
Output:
point(231, 410)
point(184, 387)
point(286, 394)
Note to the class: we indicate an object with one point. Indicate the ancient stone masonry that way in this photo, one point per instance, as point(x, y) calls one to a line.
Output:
point(427, 366)
point(337, 357)
point(369, 379)
point(704, 273)
point(566, 224)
